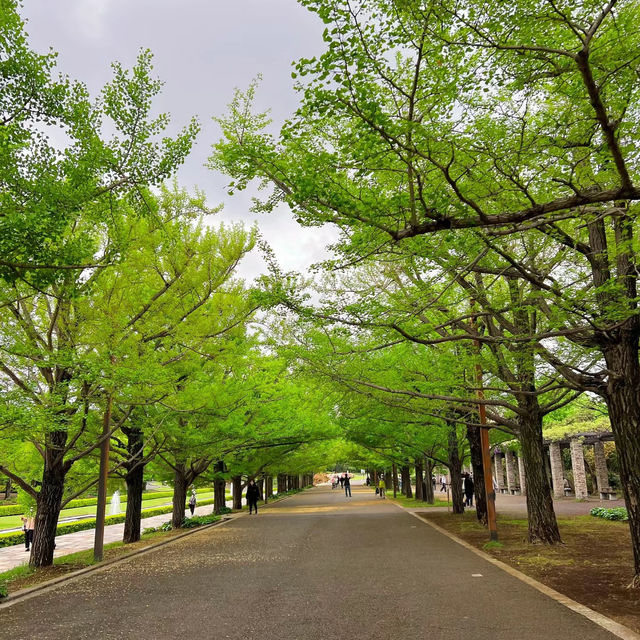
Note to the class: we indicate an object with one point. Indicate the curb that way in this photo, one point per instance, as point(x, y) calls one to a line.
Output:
point(29, 592)
point(613, 627)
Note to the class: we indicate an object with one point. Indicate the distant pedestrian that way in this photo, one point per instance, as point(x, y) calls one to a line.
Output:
point(253, 493)
point(347, 486)
point(192, 502)
point(443, 484)
point(468, 490)
point(368, 481)
point(341, 481)
point(28, 524)
point(382, 487)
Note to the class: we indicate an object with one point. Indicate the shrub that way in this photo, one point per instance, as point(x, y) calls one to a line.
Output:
point(4, 592)
point(616, 513)
point(198, 521)
point(187, 523)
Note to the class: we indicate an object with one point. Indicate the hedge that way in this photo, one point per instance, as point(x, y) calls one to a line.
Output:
point(616, 513)
point(17, 510)
point(9, 539)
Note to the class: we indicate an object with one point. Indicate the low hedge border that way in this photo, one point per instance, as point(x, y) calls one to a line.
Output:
point(9, 539)
point(615, 513)
point(17, 510)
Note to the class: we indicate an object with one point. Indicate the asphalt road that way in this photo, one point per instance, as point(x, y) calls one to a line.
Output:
point(316, 566)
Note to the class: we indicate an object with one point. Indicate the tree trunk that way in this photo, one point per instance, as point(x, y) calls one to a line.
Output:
point(48, 502)
point(543, 526)
point(180, 486)
point(282, 483)
point(428, 485)
point(236, 484)
point(455, 469)
point(268, 488)
point(623, 402)
point(7, 489)
point(419, 479)
point(135, 485)
point(219, 497)
point(475, 447)
point(406, 481)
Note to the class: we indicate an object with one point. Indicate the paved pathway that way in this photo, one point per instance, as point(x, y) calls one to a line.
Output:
point(14, 556)
point(318, 566)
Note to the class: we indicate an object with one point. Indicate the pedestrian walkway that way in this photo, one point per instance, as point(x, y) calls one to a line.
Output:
point(317, 566)
point(15, 555)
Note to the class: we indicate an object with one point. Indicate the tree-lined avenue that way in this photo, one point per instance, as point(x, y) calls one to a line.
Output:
point(317, 565)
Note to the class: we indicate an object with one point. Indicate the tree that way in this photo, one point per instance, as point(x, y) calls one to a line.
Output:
point(59, 166)
point(499, 118)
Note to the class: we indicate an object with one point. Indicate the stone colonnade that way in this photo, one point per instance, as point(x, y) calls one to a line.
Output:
point(504, 465)
point(508, 465)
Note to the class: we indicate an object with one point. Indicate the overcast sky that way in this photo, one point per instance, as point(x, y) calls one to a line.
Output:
point(203, 49)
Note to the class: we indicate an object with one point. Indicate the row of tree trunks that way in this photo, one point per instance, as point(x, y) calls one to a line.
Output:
point(282, 483)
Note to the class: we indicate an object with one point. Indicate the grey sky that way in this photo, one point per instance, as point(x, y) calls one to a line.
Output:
point(203, 49)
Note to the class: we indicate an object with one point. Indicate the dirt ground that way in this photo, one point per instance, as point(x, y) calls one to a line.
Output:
point(593, 566)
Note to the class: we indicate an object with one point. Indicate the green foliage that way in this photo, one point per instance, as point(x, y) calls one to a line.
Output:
point(11, 510)
point(187, 523)
point(198, 521)
point(616, 513)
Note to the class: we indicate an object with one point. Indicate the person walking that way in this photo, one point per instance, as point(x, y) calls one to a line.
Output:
point(253, 494)
point(28, 524)
point(341, 481)
point(192, 502)
point(468, 490)
point(443, 484)
point(382, 487)
point(347, 486)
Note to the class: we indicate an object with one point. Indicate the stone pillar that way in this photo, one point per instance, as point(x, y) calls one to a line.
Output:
point(557, 472)
point(499, 472)
point(579, 474)
point(523, 479)
point(512, 485)
point(602, 475)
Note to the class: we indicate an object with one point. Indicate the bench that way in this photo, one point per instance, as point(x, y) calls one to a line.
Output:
point(608, 494)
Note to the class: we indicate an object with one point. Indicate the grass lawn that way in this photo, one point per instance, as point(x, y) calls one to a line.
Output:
point(148, 502)
point(593, 566)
